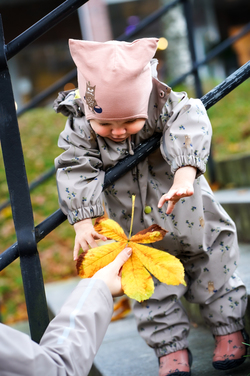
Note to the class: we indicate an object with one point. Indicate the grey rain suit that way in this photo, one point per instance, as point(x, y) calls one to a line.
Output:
point(201, 234)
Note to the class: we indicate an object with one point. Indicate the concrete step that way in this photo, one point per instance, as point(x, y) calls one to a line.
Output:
point(233, 196)
point(237, 204)
point(124, 353)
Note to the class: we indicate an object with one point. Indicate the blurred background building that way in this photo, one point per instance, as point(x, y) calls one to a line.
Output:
point(46, 60)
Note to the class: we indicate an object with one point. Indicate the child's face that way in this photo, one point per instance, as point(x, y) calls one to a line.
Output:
point(118, 130)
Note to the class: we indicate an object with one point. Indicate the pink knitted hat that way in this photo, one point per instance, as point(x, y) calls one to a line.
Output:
point(114, 78)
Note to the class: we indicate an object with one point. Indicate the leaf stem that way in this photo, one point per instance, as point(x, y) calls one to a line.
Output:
point(132, 216)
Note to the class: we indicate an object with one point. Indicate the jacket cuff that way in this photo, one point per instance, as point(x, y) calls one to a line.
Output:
point(189, 160)
point(85, 212)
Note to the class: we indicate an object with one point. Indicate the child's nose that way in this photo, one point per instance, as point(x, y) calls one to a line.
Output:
point(118, 131)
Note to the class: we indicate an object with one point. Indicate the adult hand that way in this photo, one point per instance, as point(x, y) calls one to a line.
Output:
point(111, 273)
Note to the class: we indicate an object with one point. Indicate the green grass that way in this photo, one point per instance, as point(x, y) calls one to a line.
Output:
point(230, 120)
point(39, 133)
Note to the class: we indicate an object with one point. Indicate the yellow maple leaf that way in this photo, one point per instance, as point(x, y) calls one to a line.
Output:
point(137, 282)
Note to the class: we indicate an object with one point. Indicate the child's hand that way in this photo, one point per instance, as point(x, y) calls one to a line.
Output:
point(85, 236)
point(182, 187)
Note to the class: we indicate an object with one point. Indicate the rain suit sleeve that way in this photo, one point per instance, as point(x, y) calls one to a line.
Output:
point(71, 341)
point(79, 168)
point(187, 132)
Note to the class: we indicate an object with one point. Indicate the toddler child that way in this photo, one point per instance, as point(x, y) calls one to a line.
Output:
point(121, 103)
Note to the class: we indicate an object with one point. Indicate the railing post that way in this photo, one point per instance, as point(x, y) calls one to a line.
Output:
point(188, 15)
point(21, 203)
point(198, 86)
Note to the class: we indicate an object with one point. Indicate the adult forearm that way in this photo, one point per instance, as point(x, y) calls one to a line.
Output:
point(69, 344)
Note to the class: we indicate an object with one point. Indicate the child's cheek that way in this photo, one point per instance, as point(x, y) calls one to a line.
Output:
point(103, 132)
point(135, 128)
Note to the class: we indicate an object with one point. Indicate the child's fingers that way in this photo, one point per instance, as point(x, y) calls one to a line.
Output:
point(170, 207)
point(162, 201)
point(91, 241)
point(85, 241)
point(168, 196)
point(175, 195)
point(76, 250)
point(190, 191)
point(99, 236)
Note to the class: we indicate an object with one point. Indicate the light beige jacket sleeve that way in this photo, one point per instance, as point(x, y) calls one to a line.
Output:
point(187, 133)
point(70, 342)
point(80, 174)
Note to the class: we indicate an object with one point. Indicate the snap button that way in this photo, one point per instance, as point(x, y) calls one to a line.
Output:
point(147, 209)
point(162, 94)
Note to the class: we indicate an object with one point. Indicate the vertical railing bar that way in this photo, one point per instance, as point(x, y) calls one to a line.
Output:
point(198, 86)
point(188, 15)
point(42, 26)
point(21, 203)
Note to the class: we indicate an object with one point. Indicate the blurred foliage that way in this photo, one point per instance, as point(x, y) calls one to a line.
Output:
point(39, 130)
point(231, 124)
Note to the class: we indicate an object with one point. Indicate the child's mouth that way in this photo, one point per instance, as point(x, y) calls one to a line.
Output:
point(119, 139)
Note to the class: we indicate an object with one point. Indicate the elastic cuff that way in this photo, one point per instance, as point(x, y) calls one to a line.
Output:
point(189, 160)
point(228, 329)
point(173, 347)
point(83, 213)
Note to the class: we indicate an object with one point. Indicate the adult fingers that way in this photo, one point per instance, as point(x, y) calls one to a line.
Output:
point(122, 257)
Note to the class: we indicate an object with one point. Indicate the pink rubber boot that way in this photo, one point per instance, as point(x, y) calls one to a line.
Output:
point(229, 350)
point(177, 363)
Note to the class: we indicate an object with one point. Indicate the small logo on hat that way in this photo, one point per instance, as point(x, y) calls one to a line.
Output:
point(90, 99)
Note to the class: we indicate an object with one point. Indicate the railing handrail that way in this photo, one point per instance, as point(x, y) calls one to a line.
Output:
point(42, 26)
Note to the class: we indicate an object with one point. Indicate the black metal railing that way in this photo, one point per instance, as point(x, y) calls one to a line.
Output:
point(27, 235)
point(16, 173)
